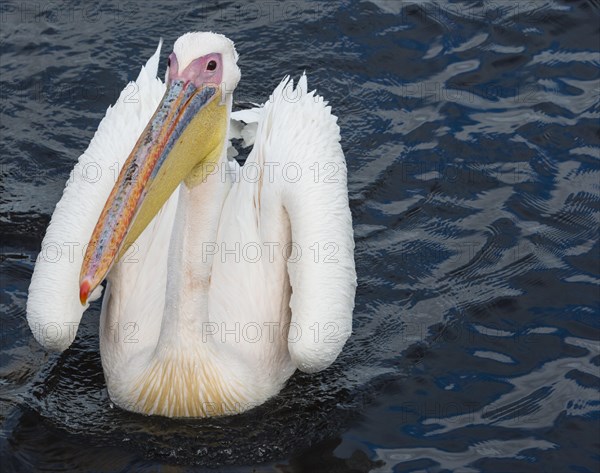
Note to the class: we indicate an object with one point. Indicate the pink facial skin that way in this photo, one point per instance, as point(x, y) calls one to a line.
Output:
point(203, 71)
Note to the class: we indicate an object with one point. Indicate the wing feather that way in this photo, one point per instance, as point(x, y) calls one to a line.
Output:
point(53, 307)
point(297, 132)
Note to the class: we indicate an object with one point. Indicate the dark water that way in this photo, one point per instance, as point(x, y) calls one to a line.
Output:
point(471, 131)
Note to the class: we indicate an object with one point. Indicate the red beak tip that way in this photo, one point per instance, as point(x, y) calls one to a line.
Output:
point(84, 291)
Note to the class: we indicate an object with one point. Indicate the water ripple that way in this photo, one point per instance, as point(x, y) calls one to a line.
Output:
point(471, 136)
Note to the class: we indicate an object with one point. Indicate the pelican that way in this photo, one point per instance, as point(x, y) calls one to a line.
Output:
point(221, 279)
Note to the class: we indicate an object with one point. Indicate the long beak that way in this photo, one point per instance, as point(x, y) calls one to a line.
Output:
point(187, 129)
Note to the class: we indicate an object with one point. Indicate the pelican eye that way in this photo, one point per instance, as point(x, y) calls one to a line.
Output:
point(169, 62)
point(211, 66)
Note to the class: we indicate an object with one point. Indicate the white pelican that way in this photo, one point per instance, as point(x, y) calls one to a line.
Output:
point(234, 279)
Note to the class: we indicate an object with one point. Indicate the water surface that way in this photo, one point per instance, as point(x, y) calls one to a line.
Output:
point(471, 132)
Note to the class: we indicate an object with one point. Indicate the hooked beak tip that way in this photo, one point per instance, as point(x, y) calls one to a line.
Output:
point(84, 291)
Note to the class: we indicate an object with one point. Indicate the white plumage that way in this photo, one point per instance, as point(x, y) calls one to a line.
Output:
point(228, 338)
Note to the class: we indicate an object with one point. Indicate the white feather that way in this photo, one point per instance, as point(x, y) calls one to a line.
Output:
point(53, 307)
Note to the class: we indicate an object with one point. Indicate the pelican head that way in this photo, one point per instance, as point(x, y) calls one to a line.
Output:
point(186, 133)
